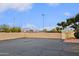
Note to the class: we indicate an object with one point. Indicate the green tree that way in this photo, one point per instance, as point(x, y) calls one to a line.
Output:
point(77, 18)
point(55, 30)
point(63, 25)
point(58, 29)
point(45, 30)
point(31, 30)
point(15, 29)
point(72, 22)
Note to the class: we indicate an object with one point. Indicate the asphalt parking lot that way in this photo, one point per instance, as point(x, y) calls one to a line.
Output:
point(37, 47)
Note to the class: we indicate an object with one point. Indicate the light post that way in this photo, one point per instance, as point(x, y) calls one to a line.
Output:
point(14, 22)
point(43, 15)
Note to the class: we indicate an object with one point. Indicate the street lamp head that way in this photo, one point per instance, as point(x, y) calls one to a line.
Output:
point(43, 14)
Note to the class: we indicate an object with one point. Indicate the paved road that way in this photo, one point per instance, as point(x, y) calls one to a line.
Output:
point(34, 47)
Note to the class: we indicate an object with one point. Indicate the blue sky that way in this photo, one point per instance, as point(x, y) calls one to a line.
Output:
point(29, 15)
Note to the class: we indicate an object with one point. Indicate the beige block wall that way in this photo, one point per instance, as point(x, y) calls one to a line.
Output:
point(5, 36)
point(69, 34)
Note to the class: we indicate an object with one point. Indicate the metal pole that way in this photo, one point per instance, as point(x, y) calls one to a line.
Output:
point(43, 20)
point(14, 22)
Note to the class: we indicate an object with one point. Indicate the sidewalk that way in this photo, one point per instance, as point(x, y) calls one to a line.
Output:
point(71, 40)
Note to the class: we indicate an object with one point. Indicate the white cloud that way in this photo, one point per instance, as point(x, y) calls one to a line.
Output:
point(15, 6)
point(53, 4)
point(66, 14)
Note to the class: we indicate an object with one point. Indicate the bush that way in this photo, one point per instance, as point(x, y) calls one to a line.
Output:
point(31, 30)
point(76, 34)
